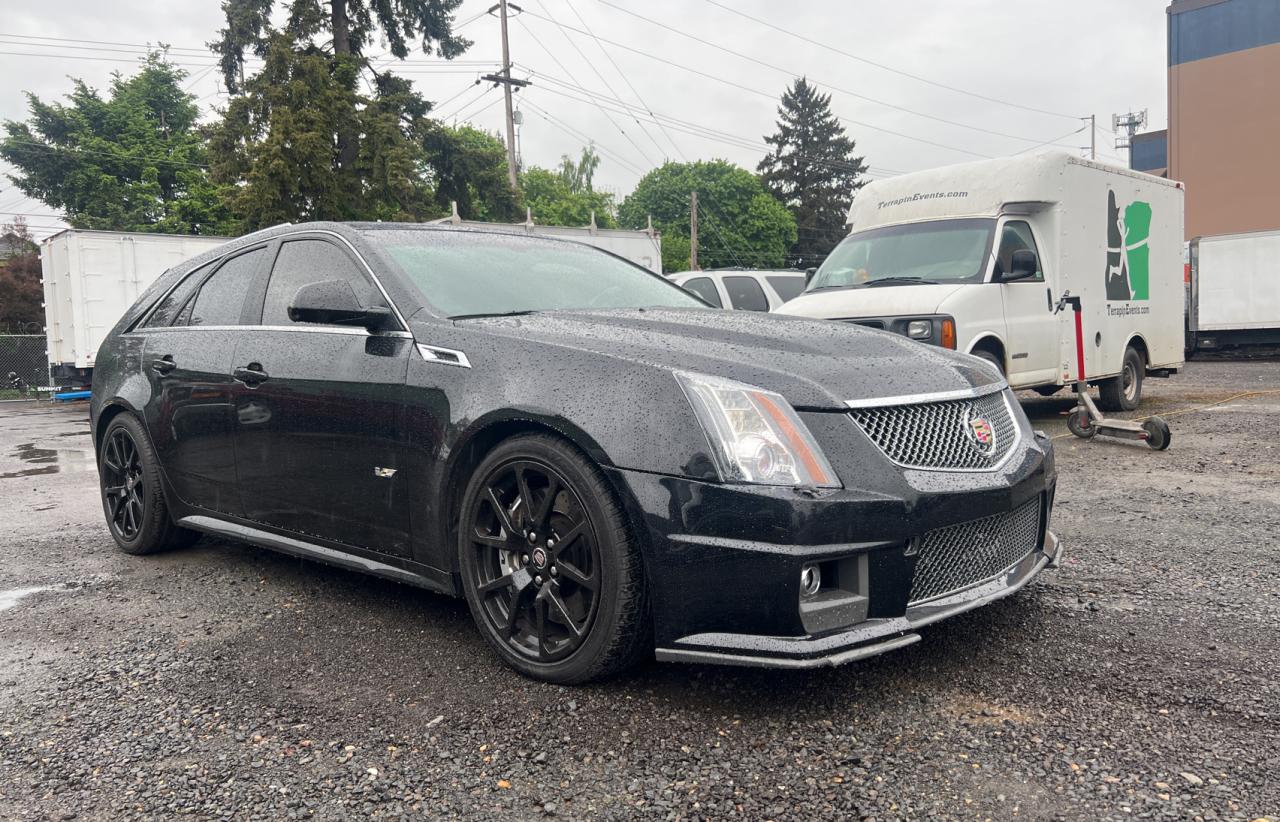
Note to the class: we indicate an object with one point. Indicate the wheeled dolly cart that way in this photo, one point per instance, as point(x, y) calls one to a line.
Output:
point(1085, 420)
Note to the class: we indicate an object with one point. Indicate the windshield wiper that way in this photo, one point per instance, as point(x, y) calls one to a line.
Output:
point(897, 281)
point(494, 314)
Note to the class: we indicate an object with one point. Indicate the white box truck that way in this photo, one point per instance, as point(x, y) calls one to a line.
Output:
point(975, 257)
point(90, 279)
point(1235, 291)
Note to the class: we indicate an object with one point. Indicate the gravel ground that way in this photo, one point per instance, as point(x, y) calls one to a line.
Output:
point(1137, 681)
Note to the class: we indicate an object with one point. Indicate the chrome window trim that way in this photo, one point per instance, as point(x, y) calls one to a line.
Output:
point(431, 353)
point(305, 329)
point(920, 399)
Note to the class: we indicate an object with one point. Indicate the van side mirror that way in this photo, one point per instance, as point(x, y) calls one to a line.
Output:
point(1022, 264)
point(808, 274)
point(334, 302)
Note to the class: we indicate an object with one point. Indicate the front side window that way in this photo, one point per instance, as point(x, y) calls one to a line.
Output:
point(704, 288)
point(1016, 236)
point(167, 310)
point(746, 294)
point(466, 273)
point(937, 251)
point(302, 262)
point(221, 298)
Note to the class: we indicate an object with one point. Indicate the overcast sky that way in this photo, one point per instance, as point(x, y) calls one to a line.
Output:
point(920, 83)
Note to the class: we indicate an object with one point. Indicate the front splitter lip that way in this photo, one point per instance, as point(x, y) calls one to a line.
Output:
point(870, 638)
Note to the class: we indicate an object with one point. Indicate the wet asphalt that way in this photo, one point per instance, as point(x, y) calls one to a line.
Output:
point(1140, 680)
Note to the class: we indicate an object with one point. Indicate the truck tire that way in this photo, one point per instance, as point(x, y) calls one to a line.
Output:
point(1124, 393)
point(983, 354)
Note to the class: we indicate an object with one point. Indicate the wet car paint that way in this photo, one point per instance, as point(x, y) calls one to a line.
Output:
point(365, 448)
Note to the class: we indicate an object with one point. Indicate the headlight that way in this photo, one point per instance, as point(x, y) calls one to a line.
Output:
point(919, 329)
point(755, 434)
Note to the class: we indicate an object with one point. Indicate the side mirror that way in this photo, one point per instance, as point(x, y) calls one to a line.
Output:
point(1022, 264)
point(808, 275)
point(334, 302)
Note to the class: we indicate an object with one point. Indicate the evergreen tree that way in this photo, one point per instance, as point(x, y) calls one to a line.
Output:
point(134, 160)
point(303, 139)
point(812, 170)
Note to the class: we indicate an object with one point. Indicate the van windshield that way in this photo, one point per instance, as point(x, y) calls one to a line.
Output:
point(939, 251)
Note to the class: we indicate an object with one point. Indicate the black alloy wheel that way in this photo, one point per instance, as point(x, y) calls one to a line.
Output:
point(123, 485)
point(132, 499)
point(547, 566)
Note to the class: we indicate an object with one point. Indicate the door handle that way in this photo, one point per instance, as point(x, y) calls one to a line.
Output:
point(163, 365)
point(251, 374)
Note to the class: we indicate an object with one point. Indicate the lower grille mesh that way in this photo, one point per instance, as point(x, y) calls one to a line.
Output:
point(957, 556)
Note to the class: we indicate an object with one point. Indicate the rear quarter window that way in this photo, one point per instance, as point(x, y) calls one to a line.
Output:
point(746, 294)
point(788, 288)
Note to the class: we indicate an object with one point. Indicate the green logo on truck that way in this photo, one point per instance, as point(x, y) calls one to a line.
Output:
point(1128, 254)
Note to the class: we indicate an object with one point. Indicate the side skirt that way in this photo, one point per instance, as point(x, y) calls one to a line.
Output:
point(319, 553)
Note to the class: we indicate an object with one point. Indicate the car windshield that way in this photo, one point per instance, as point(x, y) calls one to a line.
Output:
point(940, 251)
point(463, 273)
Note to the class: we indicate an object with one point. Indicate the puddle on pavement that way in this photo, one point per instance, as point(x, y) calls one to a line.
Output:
point(51, 460)
point(10, 598)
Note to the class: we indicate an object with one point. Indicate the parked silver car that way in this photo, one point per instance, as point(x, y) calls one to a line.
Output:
point(746, 289)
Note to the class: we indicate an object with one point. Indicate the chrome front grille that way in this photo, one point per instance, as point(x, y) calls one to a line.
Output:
point(944, 435)
point(958, 556)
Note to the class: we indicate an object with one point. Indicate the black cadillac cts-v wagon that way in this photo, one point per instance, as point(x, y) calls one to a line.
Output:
point(605, 467)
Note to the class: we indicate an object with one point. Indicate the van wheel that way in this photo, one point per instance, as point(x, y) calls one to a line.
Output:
point(983, 354)
point(1124, 393)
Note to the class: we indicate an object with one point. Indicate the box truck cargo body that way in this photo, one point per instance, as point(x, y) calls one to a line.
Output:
point(91, 278)
point(1235, 291)
point(976, 257)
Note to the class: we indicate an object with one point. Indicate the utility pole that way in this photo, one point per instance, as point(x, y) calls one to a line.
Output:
point(693, 231)
point(505, 80)
point(1093, 135)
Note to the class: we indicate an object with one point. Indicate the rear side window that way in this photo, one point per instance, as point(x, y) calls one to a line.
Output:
point(301, 262)
point(746, 294)
point(166, 311)
point(788, 288)
point(704, 288)
point(221, 298)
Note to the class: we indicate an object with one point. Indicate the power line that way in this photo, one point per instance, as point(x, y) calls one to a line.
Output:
point(831, 86)
point(695, 129)
point(620, 129)
point(916, 77)
point(624, 77)
point(759, 92)
point(661, 151)
point(578, 135)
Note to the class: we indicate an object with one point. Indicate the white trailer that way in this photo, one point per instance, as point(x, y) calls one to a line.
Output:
point(1235, 291)
point(975, 256)
point(642, 247)
point(91, 278)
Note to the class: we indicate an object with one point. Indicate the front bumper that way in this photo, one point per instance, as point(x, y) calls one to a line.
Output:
point(723, 562)
point(869, 638)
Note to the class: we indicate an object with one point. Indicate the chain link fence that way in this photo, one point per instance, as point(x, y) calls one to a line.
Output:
point(24, 365)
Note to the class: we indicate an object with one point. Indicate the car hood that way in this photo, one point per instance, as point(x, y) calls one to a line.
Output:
point(812, 363)
point(881, 301)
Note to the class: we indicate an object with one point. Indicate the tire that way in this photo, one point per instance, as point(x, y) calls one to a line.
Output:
point(995, 362)
point(1158, 434)
point(1078, 423)
point(132, 498)
point(1048, 390)
point(556, 586)
point(1124, 393)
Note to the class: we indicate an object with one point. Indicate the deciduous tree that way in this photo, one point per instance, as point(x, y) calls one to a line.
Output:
point(740, 223)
